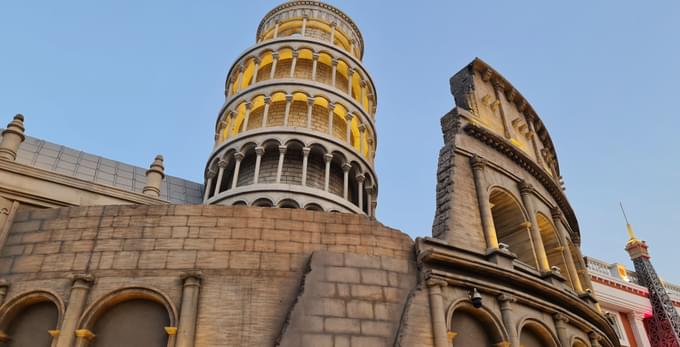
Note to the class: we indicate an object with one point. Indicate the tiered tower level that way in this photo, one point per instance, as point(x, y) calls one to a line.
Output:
point(297, 129)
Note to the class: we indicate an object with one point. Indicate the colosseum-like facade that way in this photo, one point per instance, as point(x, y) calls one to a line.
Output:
point(280, 246)
point(297, 128)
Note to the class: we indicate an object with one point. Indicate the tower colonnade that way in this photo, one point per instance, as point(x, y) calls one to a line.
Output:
point(297, 129)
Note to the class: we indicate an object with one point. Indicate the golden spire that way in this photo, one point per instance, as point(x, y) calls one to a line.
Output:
point(629, 228)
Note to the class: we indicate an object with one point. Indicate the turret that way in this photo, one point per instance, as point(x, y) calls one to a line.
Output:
point(154, 177)
point(12, 137)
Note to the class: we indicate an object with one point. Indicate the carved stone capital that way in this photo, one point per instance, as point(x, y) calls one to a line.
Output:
point(275, 55)
point(361, 178)
point(239, 156)
point(350, 71)
point(433, 281)
point(362, 127)
point(506, 298)
point(296, 53)
point(346, 167)
point(315, 56)
point(305, 151)
point(259, 151)
point(222, 164)
point(310, 101)
point(556, 213)
point(327, 157)
point(289, 97)
point(267, 100)
point(560, 317)
point(349, 116)
point(282, 149)
point(477, 162)
point(191, 278)
point(525, 187)
point(334, 62)
point(248, 104)
point(82, 280)
point(257, 60)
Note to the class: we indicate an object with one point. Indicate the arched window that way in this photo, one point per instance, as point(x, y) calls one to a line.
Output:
point(288, 203)
point(511, 225)
point(263, 202)
point(535, 335)
point(30, 324)
point(474, 327)
point(132, 323)
point(553, 246)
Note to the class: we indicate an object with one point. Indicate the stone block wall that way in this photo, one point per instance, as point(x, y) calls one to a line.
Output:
point(256, 271)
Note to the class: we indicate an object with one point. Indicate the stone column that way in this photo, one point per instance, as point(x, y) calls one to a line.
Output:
point(80, 288)
point(352, 43)
point(315, 63)
point(478, 165)
point(360, 181)
point(232, 124)
point(362, 138)
point(222, 164)
point(532, 136)
point(247, 116)
point(293, 63)
point(305, 159)
point(334, 64)
point(331, 111)
point(327, 177)
point(561, 325)
point(259, 151)
point(304, 25)
point(257, 67)
point(186, 329)
point(571, 266)
point(594, 339)
point(239, 80)
point(333, 25)
point(350, 75)
point(279, 168)
point(437, 312)
point(506, 301)
point(345, 179)
point(276, 29)
point(363, 92)
point(12, 137)
point(238, 156)
point(638, 326)
point(275, 60)
point(369, 200)
point(527, 190)
point(208, 184)
point(265, 113)
point(348, 119)
point(310, 107)
point(154, 178)
point(289, 99)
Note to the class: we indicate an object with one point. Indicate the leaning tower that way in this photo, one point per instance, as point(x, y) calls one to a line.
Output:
point(297, 129)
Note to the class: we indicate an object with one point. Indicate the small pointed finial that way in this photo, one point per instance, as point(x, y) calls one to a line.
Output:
point(629, 228)
point(154, 177)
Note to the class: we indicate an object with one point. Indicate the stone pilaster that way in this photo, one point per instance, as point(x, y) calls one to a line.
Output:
point(506, 301)
point(527, 192)
point(478, 166)
point(191, 285)
point(437, 312)
point(80, 288)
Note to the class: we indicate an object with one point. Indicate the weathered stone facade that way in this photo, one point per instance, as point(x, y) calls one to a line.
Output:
point(89, 261)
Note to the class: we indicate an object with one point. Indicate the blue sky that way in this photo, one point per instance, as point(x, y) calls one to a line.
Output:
point(130, 79)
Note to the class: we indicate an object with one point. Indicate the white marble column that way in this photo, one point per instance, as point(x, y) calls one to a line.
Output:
point(331, 111)
point(265, 113)
point(315, 63)
point(350, 78)
point(362, 138)
point(289, 101)
point(293, 63)
point(247, 116)
point(275, 60)
point(257, 67)
point(304, 25)
point(360, 180)
point(259, 151)
point(238, 156)
point(208, 184)
point(327, 177)
point(279, 168)
point(345, 185)
point(348, 119)
point(310, 106)
point(222, 164)
point(305, 159)
point(333, 25)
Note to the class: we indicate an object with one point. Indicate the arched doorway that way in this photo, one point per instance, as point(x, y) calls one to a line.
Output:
point(132, 323)
point(29, 326)
point(474, 327)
